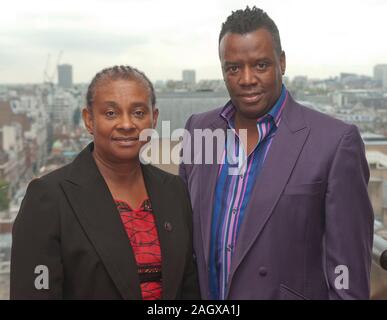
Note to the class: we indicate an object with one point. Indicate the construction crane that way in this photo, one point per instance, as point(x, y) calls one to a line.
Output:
point(49, 76)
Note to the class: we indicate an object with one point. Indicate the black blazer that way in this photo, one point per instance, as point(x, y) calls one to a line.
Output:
point(68, 222)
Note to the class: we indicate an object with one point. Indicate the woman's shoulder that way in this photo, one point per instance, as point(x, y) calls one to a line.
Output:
point(49, 181)
point(55, 175)
point(166, 183)
point(164, 176)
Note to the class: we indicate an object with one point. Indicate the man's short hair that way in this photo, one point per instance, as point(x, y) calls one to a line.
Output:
point(249, 20)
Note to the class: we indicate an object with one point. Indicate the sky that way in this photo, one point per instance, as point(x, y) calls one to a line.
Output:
point(321, 38)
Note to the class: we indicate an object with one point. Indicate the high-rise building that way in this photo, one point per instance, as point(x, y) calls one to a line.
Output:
point(380, 74)
point(62, 108)
point(189, 76)
point(65, 76)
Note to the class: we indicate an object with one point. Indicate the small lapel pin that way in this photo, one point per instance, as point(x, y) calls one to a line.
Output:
point(168, 226)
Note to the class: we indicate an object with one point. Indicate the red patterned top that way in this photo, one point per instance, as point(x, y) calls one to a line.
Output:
point(140, 226)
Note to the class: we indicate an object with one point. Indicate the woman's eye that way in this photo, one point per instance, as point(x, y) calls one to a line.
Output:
point(139, 114)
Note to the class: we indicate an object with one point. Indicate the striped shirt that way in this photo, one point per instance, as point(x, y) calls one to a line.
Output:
point(233, 192)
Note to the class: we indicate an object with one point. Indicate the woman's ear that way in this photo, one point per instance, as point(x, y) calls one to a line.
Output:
point(155, 117)
point(87, 117)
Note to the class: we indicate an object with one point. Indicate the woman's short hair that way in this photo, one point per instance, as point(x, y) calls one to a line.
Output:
point(118, 73)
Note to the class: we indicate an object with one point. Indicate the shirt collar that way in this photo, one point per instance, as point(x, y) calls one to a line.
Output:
point(275, 112)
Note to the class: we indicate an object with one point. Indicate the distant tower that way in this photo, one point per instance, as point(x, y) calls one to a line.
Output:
point(380, 74)
point(189, 76)
point(65, 76)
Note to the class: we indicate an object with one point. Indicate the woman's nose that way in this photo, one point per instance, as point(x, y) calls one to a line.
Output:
point(126, 122)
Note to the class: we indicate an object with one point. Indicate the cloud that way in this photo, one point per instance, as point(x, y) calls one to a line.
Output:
point(162, 37)
point(97, 42)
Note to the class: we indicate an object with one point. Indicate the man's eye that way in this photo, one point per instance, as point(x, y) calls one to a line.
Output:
point(233, 69)
point(262, 66)
point(110, 114)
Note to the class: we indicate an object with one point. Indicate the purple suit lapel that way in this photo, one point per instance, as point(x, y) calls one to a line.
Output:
point(281, 159)
point(208, 177)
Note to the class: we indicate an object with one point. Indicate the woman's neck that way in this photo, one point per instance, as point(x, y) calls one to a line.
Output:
point(118, 173)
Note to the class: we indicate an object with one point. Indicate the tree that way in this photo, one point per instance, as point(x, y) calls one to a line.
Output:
point(4, 200)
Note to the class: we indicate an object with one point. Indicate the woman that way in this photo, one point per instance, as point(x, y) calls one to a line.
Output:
point(106, 226)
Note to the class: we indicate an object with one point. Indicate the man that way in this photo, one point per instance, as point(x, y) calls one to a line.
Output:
point(296, 223)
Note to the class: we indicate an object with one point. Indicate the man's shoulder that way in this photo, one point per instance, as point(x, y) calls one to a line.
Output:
point(317, 120)
point(205, 119)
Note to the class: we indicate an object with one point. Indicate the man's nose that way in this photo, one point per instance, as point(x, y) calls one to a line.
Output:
point(248, 77)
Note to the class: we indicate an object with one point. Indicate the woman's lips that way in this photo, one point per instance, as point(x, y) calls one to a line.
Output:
point(125, 142)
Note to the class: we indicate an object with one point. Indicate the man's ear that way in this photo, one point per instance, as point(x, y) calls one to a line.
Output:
point(87, 117)
point(283, 62)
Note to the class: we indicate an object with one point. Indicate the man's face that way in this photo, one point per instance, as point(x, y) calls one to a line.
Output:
point(121, 110)
point(252, 70)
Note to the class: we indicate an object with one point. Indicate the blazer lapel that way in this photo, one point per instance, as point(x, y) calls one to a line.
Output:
point(94, 206)
point(282, 157)
point(208, 177)
point(167, 221)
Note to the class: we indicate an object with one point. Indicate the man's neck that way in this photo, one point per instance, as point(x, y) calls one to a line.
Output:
point(242, 122)
point(250, 125)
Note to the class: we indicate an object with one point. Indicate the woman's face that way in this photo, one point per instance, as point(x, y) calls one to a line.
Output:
point(121, 109)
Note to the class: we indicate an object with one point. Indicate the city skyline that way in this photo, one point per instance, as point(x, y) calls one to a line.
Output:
point(321, 39)
point(179, 78)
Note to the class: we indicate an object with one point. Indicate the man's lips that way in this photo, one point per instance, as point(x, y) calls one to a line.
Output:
point(250, 97)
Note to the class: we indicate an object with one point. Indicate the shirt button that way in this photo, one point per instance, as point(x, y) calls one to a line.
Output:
point(241, 176)
point(234, 211)
point(229, 247)
point(262, 271)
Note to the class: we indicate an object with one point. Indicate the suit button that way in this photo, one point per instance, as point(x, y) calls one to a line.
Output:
point(168, 226)
point(262, 271)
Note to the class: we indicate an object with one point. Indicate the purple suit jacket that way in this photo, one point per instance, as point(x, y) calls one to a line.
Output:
point(308, 216)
